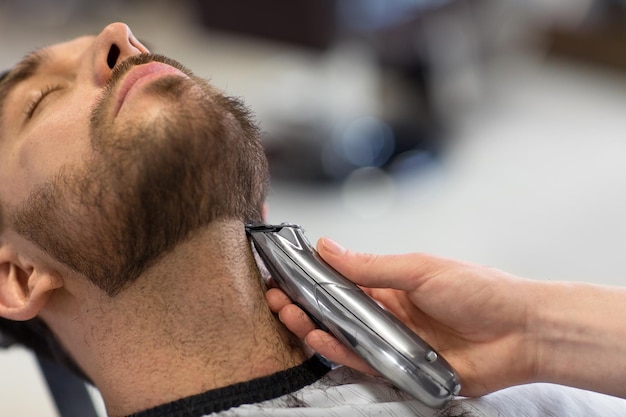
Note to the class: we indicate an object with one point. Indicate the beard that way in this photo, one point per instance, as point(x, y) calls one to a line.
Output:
point(149, 184)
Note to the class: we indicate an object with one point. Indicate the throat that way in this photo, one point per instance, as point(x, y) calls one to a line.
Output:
point(193, 352)
point(166, 367)
point(198, 321)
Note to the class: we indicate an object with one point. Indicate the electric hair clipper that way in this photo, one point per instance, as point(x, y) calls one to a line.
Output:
point(343, 309)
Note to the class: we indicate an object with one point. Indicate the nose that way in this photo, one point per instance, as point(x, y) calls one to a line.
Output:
point(113, 45)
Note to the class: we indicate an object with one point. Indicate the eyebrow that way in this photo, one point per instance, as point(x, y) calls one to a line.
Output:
point(24, 70)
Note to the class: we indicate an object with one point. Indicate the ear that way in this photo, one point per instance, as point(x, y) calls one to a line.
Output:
point(24, 286)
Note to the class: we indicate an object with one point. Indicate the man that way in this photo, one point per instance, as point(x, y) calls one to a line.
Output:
point(124, 185)
point(125, 182)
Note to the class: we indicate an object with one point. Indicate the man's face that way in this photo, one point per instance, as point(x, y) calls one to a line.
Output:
point(110, 156)
point(46, 112)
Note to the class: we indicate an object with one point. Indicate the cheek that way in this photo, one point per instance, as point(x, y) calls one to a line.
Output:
point(60, 138)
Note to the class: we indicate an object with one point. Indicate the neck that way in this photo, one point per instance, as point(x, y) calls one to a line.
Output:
point(194, 322)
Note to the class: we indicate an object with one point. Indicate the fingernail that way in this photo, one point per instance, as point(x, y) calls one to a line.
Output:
point(333, 247)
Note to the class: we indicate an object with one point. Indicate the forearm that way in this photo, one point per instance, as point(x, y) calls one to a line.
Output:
point(580, 331)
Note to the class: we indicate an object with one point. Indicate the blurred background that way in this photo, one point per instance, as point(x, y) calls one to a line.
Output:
point(486, 130)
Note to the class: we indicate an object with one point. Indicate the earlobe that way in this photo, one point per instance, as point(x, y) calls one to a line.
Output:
point(24, 287)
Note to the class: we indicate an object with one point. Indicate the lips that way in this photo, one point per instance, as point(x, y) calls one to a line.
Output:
point(141, 75)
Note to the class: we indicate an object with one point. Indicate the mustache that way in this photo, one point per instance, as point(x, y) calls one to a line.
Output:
point(118, 73)
point(122, 68)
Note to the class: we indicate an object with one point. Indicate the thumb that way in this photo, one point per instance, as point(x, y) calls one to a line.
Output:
point(402, 272)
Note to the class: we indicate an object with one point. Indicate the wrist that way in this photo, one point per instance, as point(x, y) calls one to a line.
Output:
point(535, 295)
point(546, 329)
point(578, 335)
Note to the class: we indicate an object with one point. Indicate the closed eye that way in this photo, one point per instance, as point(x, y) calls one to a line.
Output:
point(34, 103)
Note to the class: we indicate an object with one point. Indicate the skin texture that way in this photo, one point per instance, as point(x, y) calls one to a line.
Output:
point(497, 330)
point(125, 182)
point(142, 186)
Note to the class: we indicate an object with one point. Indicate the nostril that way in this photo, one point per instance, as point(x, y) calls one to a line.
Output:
point(114, 54)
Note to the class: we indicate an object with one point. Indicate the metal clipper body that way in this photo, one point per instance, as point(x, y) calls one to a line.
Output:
point(343, 309)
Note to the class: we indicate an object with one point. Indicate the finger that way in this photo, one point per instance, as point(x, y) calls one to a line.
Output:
point(403, 272)
point(296, 320)
point(332, 349)
point(276, 299)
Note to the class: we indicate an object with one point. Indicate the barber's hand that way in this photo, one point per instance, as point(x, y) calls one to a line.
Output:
point(476, 317)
